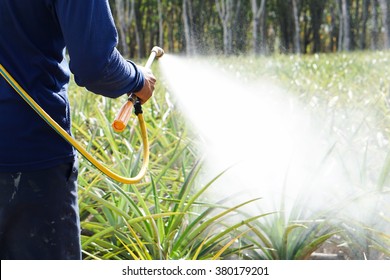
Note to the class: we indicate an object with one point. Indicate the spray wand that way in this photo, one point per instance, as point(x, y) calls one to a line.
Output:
point(124, 113)
point(119, 124)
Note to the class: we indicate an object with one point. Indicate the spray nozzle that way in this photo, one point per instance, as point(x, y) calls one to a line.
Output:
point(159, 51)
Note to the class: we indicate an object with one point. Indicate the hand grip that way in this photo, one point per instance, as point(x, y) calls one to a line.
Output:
point(123, 116)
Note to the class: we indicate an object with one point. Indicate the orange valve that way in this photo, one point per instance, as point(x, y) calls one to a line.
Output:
point(123, 116)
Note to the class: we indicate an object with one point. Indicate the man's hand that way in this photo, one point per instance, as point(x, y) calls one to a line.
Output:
point(147, 91)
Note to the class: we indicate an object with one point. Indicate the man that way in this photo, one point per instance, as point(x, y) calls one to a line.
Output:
point(38, 169)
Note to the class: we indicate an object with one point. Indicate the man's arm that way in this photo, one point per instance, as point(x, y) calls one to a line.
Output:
point(91, 39)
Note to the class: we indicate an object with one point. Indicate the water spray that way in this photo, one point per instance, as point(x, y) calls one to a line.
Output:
point(118, 125)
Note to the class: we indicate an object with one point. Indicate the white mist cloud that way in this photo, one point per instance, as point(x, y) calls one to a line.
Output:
point(275, 148)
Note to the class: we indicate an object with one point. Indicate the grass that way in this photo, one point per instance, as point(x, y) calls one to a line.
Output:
point(166, 216)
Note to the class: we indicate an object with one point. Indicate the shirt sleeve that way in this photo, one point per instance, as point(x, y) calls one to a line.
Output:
point(91, 39)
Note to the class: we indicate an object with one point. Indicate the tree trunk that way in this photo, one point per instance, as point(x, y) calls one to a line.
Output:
point(341, 26)
point(239, 27)
point(355, 24)
point(297, 30)
point(385, 22)
point(122, 24)
point(258, 20)
point(346, 19)
point(139, 33)
point(316, 11)
point(375, 25)
point(363, 34)
point(225, 11)
point(160, 25)
point(263, 29)
point(284, 20)
point(171, 24)
point(188, 34)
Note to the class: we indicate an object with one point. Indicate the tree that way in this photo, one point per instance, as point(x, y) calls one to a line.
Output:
point(385, 22)
point(284, 18)
point(363, 34)
point(316, 10)
point(139, 32)
point(345, 25)
point(188, 32)
point(297, 29)
point(124, 15)
point(258, 24)
point(226, 10)
point(375, 25)
point(160, 24)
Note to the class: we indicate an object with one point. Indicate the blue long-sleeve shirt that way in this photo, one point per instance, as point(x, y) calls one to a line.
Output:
point(33, 37)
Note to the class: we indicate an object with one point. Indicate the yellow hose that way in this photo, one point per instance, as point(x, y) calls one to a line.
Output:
point(125, 180)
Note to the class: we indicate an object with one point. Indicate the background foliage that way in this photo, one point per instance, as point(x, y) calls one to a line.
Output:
point(251, 26)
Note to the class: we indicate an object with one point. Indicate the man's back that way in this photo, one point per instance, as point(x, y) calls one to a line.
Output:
point(33, 36)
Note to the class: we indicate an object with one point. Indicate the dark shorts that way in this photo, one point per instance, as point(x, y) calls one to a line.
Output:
point(39, 217)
